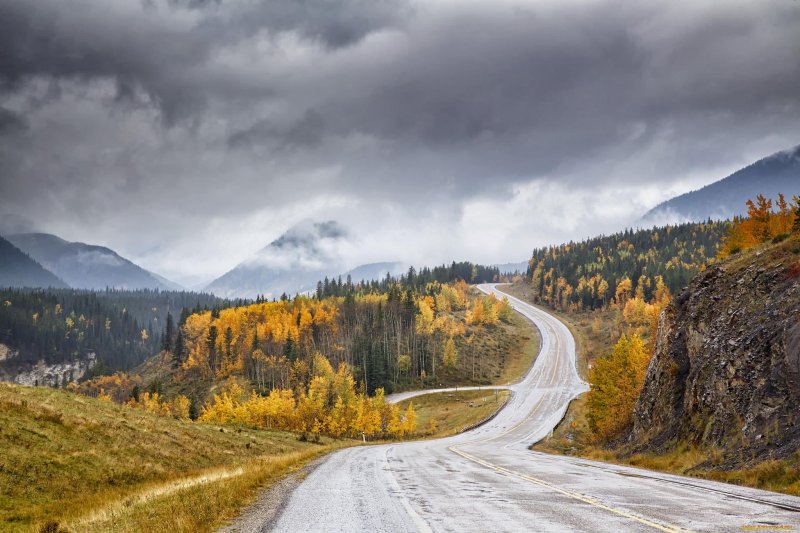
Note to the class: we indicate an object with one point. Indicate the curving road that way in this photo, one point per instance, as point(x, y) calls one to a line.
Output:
point(488, 480)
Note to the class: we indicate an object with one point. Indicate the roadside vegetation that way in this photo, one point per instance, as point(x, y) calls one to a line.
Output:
point(72, 463)
point(188, 439)
point(615, 343)
point(444, 414)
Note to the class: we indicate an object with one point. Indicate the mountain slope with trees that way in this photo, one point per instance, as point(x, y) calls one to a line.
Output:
point(17, 269)
point(599, 272)
point(121, 328)
point(86, 266)
point(724, 199)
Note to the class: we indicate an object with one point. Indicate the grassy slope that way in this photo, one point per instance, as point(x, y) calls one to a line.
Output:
point(453, 412)
point(92, 465)
point(595, 334)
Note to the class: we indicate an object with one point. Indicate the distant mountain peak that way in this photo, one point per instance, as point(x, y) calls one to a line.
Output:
point(723, 199)
point(86, 266)
point(294, 262)
point(17, 269)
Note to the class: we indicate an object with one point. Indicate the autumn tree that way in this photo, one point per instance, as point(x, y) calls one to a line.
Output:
point(450, 357)
point(616, 381)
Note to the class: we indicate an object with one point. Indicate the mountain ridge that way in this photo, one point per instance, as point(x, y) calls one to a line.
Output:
point(725, 198)
point(18, 269)
point(86, 266)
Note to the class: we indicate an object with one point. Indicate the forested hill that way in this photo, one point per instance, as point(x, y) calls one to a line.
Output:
point(415, 280)
point(593, 273)
point(18, 270)
point(122, 328)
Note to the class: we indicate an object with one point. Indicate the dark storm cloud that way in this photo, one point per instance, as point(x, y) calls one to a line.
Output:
point(10, 122)
point(160, 48)
point(176, 111)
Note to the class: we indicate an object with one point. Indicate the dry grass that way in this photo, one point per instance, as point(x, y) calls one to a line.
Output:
point(453, 412)
point(91, 465)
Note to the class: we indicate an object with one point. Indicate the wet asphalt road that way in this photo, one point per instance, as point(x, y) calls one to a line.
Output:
point(488, 480)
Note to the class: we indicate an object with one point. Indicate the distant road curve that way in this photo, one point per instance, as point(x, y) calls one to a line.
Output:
point(487, 479)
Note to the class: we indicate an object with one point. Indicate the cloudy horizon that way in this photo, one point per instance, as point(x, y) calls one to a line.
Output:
point(188, 134)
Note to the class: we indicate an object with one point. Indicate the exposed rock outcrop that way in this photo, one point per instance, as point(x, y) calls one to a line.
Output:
point(42, 374)
point(726, 369)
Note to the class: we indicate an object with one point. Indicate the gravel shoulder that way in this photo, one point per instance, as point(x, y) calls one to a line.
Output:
point(262, 515)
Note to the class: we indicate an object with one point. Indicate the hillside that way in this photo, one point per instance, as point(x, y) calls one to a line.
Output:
point(594, 273)
point(19, 270)
point(86, 266)
point(725, 373)
point(52, 336)
point(724, 199)
point(90, 465)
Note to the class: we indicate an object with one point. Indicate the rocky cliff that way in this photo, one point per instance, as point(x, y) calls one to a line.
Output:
point(726, 368)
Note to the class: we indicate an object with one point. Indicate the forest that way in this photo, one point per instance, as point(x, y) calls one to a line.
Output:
point(317, 366)
point(385, 338)
point(618, 377)
point(595, 273)
point(412, 280)
point(122, 328)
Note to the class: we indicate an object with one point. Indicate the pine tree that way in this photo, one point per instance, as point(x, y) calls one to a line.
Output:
point(166, 339)
point(796, 225)
point(179, 350)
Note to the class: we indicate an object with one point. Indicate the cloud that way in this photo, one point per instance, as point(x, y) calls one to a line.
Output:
point(161, 128)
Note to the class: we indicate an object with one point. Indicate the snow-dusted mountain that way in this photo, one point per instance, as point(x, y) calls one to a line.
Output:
point(778, 173)
point(295, 262)
point(85, 266)
point(292, 263)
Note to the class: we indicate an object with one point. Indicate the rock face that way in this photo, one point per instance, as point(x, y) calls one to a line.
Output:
point(726, 368)
point(46, 375)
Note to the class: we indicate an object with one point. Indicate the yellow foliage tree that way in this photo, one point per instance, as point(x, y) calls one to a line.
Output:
point(616, 381)
point(450, 357)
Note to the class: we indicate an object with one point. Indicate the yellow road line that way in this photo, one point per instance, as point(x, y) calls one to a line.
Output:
point(542, 483)
point(571, 494)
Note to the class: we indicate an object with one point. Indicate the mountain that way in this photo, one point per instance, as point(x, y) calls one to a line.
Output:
point(725, 374)
point(512, 268)
point(85, 266)
point(18, 270)
point(292, 263)
point(778, 173)
point(375, 271)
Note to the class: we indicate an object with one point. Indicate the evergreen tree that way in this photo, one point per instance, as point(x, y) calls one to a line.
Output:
point(796, 224)
point(166, 339)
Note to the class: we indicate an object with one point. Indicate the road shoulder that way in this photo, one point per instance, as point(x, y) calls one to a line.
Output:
point(263, 514)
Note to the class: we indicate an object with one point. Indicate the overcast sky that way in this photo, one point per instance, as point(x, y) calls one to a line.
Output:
point(187, 134)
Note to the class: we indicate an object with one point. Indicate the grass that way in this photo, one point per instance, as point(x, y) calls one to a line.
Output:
point(523, 352)
point(90, 465)
point(448, 413)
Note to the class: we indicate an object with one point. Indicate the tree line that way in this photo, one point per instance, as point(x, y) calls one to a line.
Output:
point(122, 328)
point(385, 338)
point(587, 275)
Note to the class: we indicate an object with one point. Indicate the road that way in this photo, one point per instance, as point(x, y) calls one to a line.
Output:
point(487, 479)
